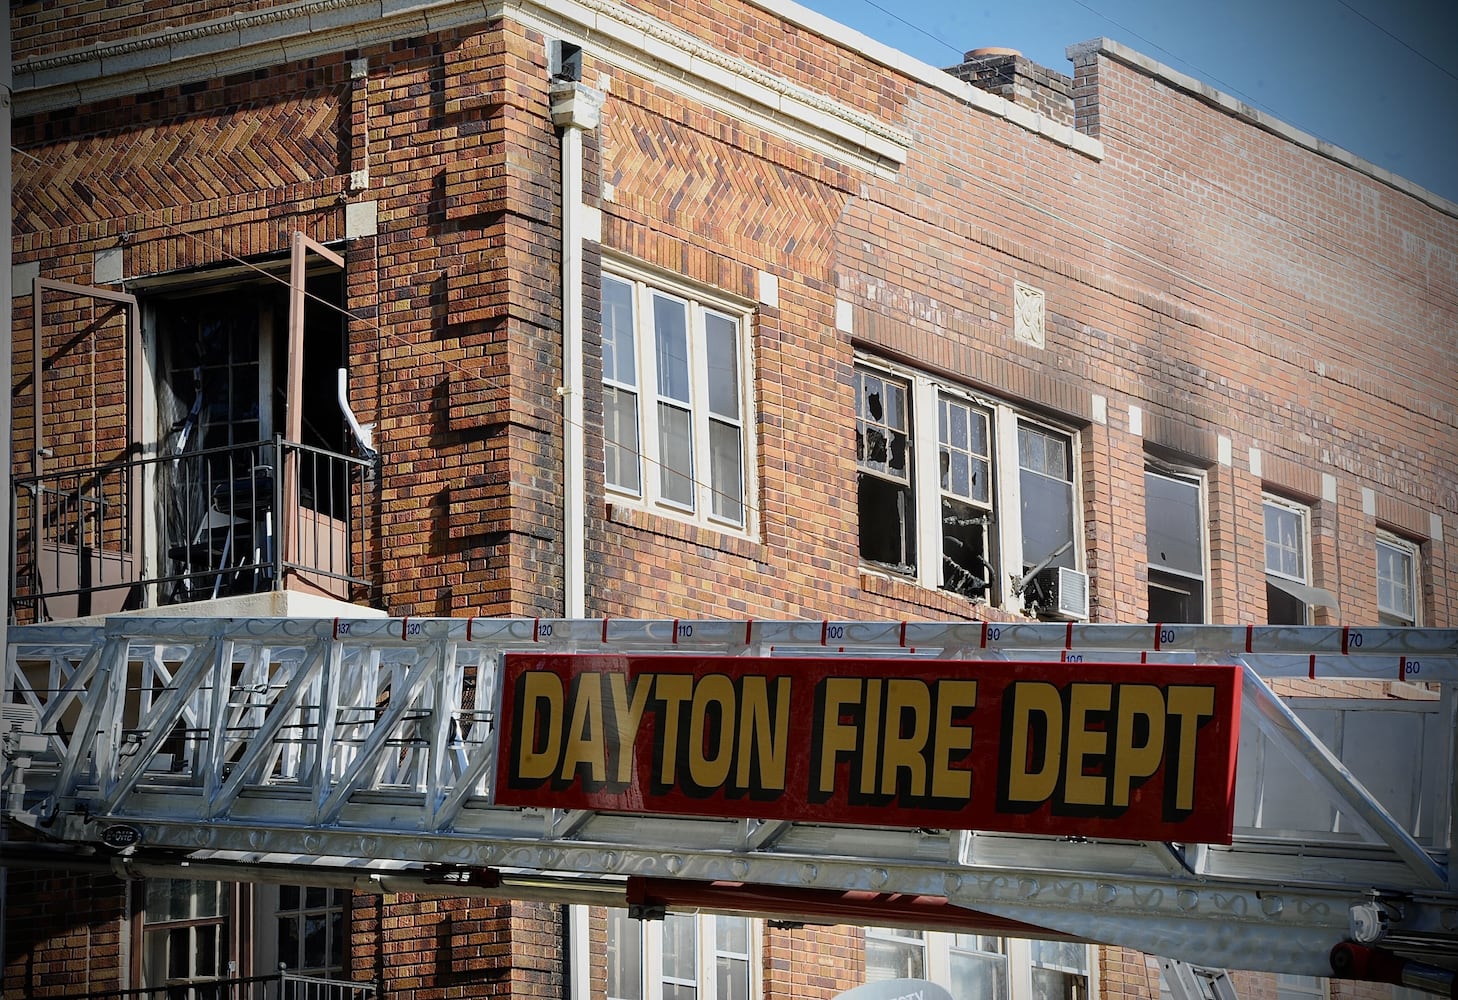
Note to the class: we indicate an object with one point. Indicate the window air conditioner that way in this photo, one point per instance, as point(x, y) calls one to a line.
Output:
point(1059, 592)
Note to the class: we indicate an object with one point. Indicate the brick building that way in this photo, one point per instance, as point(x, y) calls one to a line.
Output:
point(655, 311)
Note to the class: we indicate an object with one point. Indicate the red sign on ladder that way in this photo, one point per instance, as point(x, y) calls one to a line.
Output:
point(1138, 752)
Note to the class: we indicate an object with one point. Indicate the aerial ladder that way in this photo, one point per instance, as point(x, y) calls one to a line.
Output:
point(386, 754)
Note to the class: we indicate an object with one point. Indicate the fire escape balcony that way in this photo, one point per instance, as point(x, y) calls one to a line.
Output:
point(211, 523)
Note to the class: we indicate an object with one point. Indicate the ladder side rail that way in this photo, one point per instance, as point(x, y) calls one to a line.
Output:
point(103, 686)
point(156, 724)
point(66, 687)
point(323, 753)
point(481, 747)
point(263, 746)
point(370, 760)
point(1288, 731)
point(441, 771)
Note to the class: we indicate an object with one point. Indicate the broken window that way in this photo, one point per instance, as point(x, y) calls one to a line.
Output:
point(964, 456)
point(883, 455)
point(942, 515)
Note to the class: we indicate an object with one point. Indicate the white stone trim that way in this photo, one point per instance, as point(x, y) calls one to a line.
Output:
point(610, 31)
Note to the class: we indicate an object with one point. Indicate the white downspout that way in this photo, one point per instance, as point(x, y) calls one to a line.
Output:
point(575, 109)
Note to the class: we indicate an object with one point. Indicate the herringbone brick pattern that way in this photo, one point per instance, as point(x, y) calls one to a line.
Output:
point(234, 150)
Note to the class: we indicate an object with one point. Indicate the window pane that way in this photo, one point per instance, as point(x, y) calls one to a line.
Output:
point(1045, 488)
point(621, 454)
point(1175, 599)
point(893, 953)
point(963, 458)
point(680, 948)
point(288, 942)
point(722, 335)
point(731, 965)
point(1283, 608)
point(1285, 542)
point(624, 956)
point(883, 440)
point(1395, 583)
point(670, 327)
point(966, 563)
point(619, 360)
point(732, 978)
point(1173, 524)
point(981, 976)
point(727, 471)
point(887, 522)
point(675, 455)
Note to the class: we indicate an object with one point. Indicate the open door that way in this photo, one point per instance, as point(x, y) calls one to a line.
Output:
point(79, 513)
point(312, 532)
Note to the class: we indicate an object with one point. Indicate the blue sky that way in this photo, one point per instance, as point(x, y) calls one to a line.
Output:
point(1376, 77)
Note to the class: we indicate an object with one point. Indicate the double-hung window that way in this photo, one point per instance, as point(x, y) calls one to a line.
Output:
point(1174, 513)
point(676, 400)
point(931, 503)
point(681, 957)
point(1288, 559)
point(1059, 970)
point(894, 953)
point(980, 965)
point(185, 931)
point(1397, 583)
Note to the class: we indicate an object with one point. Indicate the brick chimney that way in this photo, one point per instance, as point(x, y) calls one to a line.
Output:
point(1007, 74)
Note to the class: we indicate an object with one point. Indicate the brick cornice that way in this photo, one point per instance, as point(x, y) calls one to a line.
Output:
point(248, 41)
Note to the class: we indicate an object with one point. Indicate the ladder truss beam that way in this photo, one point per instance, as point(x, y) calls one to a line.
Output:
point(366, 751)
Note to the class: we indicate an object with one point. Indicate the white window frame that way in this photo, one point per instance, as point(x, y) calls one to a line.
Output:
point(1004, 538)
point(647, 288)
point(1200, 481)
point(1412, 552)
point(1302, 513)
point(707, 955)
point(1017, 966)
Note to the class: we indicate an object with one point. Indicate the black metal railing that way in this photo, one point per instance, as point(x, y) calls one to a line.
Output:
point(279, 986)
point(210, 523)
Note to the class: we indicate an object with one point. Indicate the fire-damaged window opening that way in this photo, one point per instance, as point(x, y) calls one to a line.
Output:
point(224, 356)
point(942, 515)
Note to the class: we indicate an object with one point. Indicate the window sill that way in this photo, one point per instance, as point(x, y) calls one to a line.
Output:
point(936, 601)
point(694, 534)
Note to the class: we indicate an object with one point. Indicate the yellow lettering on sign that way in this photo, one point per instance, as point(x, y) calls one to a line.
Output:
point(835, 738)
point(584, 742)
point(1133, 761)
point(870, 728)
point(541, 699)
point(762, 741)
point(1030, 698)
point(1078, 788)
point(907, 701)
point(952, 697)
point(627, 715)
point(709, 765)
point(1190, 704)
point(673, 690)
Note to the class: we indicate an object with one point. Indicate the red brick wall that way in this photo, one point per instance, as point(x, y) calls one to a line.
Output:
point(62, 933)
